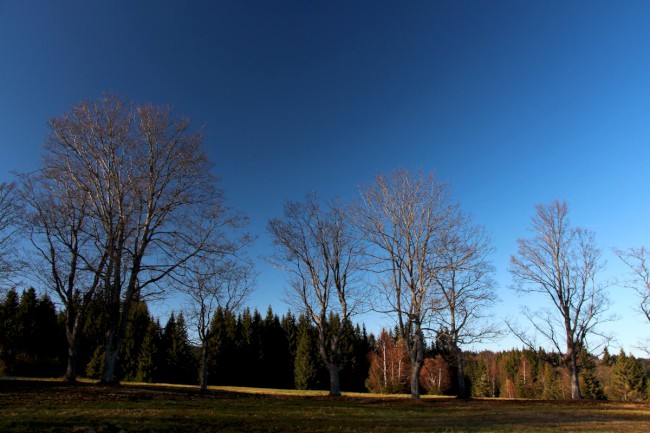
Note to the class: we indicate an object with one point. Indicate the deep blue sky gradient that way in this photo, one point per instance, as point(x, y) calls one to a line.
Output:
point(512, 103)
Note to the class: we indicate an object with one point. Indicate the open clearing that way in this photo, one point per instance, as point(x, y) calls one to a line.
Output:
point(49, 406)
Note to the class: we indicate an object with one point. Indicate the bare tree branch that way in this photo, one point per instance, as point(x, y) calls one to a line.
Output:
point(8, 227)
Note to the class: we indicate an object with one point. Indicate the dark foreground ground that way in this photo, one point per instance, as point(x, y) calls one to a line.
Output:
point(27, 406)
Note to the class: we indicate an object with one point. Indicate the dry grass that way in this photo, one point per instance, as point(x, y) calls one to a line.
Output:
point(54, 407)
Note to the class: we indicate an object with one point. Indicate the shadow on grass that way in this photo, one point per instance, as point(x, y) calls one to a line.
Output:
point(57, 407)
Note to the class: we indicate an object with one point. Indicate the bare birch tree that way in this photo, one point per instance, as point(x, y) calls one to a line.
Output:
point(465, 290)
point(403, 218)
point(8, 220)
point(315, 245)
point(149, 186)
point(561, 263)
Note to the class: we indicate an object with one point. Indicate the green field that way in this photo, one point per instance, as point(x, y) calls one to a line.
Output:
point(50, 406)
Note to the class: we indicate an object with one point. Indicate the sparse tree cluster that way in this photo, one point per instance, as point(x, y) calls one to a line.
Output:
point(123, 200)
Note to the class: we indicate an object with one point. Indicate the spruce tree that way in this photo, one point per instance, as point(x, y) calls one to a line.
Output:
point(180, 363)
point(222, 347)
point(628, 379)
point(552, 388)
point(274, 351)
point(148, 358)
point(49, 347)
point(133, 338)
point(290, 331)
point(9, 332)
point(589, 383)
point(95, 366)
point(306, 362)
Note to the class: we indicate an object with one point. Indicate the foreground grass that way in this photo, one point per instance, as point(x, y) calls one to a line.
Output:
point(27, 406)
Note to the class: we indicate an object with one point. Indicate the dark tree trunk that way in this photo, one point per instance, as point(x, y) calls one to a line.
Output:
point(73, 322)
point(460, 365)
point(204, 366)
point(335, 387)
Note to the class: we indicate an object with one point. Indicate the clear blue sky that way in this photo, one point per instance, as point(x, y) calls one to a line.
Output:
point(512, 103)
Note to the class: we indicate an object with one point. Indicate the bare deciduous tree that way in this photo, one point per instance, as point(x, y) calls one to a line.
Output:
point(69, 261)
point(7, 231)
point(404, 218)
point(316, 247)
point(465, 290)
point(219, 276)
point(562, 264)
point(149, 187)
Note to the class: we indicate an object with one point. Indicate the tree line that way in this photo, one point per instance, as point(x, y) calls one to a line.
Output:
point(516, 373)
point(246, 349)
point(124, 208)
point(282, 352)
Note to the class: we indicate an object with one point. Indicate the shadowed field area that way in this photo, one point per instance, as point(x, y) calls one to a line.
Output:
point(55, 407)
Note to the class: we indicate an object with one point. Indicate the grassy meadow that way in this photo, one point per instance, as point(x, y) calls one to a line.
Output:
point(51, 406)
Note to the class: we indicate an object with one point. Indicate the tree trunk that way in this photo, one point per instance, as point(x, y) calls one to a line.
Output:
point(417, 361)
point(460, 364)
point(335, 387)
point(572, 365)
point(575, 382)
point(204, 366)
point(71, 370)
point(72, 335)
point(109, 376)
point(117, 323)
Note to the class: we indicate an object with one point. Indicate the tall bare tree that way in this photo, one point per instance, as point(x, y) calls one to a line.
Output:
point(69, 263)
point(219, 276)
point(8, 220)
point(404, 218)
point(149, 187)
point(465, 290)
point(315, 245)
point(562, 264)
